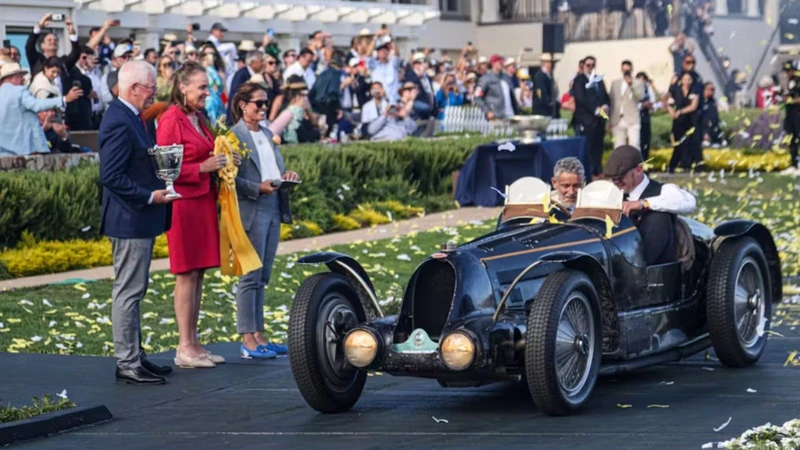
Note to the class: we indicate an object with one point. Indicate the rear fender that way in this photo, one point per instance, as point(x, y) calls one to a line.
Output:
point(757, 231)
point(355, 275)
point(608, 306)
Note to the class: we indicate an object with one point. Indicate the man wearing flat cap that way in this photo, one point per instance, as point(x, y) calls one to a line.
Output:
point(651, 206)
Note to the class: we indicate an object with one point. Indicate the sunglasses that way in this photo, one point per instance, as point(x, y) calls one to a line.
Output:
point(271, 63)
point(688, 61)
point(259, 103)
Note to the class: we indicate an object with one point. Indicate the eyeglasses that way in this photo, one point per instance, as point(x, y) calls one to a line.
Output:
point(259, 103)
point(688, 61)
point(152, 88)
point(272, 63)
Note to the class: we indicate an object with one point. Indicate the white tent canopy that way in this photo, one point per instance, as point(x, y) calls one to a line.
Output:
point(260, 10)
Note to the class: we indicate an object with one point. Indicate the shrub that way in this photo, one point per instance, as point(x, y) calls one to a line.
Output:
point(366, 216)
point(727, 159)
point(344, 223)
point(45, 405)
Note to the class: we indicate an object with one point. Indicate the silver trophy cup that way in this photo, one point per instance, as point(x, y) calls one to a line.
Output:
point(168, 161)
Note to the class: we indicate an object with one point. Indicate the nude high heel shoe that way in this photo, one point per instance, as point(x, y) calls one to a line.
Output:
point(196, 362)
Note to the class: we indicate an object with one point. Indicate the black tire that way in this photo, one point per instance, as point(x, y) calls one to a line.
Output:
point(329, 386)
point(550, 393)
point(734, 323)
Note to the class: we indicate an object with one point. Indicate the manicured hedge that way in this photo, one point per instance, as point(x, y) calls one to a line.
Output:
point(65, 205)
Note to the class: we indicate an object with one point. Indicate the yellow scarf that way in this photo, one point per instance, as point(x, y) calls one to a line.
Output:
point(232, 237)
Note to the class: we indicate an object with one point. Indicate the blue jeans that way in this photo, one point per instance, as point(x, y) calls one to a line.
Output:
point(264, 234)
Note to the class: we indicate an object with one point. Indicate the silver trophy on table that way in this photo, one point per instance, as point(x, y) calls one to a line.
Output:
point(168, 161)
point(530, 127)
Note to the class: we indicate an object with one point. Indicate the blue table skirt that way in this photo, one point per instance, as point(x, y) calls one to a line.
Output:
point(489, 168)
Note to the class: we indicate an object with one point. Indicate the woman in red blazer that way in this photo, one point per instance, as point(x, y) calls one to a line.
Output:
point(193, 239)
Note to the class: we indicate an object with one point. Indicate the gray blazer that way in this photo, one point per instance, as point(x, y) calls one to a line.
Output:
point(249, 179)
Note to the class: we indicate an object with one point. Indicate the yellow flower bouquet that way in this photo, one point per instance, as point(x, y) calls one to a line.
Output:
point(233, 240)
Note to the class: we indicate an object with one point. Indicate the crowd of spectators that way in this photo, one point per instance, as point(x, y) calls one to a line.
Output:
point(315, 93)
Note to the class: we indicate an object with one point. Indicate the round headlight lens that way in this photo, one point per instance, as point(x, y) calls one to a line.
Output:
point(458, 351)
point(360, 348)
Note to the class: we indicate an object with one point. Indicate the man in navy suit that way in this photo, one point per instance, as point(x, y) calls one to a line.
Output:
point(135, 211)
point(254, 64)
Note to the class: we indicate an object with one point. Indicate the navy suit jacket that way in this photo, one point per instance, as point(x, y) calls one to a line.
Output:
point(241, 77)
point(128, 176)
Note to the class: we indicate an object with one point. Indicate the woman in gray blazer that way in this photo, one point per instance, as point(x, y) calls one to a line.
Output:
point(263, 207)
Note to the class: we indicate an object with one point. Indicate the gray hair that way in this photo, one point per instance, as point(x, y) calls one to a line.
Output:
point(132, 72)
point(253, 55)
point(569, 164)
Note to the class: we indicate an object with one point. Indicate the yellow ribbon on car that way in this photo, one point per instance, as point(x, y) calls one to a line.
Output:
point(233, 240)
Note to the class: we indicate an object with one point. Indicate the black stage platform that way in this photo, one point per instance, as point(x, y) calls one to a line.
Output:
point(255, 405)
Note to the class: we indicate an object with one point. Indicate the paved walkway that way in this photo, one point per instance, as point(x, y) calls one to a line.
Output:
point(448, 218)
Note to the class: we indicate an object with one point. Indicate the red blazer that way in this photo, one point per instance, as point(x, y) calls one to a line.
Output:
point(175, 128)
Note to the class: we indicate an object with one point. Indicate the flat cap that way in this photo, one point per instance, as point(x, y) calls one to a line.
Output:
point(621, 160)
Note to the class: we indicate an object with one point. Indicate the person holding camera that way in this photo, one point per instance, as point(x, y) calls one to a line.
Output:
point(449, 94)
point(626, 95)
point(383, 121)
point(48, 43)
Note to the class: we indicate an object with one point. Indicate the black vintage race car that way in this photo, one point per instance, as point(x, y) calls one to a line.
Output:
point(553, 298)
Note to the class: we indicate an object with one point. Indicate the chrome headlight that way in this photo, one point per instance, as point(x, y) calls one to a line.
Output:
point(458, 350)
point(360, 347)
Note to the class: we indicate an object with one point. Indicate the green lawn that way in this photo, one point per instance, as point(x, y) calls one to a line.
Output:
point(76, 319)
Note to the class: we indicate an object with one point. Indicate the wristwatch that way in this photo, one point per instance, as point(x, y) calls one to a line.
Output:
point(645, 204)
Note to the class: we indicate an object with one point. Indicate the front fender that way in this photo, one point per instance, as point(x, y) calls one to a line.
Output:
point(354, 273)
point(608, 306)
point(757, 231)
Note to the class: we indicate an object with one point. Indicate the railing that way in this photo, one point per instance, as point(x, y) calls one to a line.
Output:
point(695, 29)
point(410, 2)
point(519, 10)
point(471, 119)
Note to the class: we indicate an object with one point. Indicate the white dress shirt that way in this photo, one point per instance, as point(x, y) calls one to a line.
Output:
point(672, 198)
point(266, 156)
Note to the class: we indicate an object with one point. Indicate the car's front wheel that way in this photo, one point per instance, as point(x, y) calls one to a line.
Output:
point(739, 302)
point(563, 343)
point(324, 309)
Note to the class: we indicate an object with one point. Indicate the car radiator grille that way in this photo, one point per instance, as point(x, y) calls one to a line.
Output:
point(428, 300)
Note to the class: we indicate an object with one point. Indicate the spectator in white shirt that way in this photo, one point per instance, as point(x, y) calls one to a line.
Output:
point(227, 50)
point(122, 54)
point(385, 68)
point(302, 67)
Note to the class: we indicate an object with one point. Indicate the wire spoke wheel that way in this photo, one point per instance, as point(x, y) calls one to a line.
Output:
point(574, 344)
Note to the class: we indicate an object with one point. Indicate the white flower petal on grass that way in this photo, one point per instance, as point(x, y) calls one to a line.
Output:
point(86, 228)
point(403, 257)
point(51, 324)
point(79, 345)
point(1, 325)
point(36, 338)
point(166, 321)
point(26, 302)
point(63, 394)
point(47, 303)
point(86, 295)
point(61, 346)
point(104, 320)
point(285, 275)
point(723, 425)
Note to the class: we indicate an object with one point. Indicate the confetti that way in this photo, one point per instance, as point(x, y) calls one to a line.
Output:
point(623, 406)
point(440, 420)
point(721, 427)
point(658, 406)
point(751, 390)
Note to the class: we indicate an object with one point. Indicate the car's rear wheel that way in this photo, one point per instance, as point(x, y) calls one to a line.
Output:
point(739, 302)
point(324, 309)
point(563, 343)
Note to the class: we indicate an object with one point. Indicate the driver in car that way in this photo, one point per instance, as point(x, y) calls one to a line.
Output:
point(651, 206)
point(569, 177)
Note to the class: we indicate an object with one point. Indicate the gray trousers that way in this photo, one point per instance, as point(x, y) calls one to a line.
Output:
point(264, 234)
point(131, 278)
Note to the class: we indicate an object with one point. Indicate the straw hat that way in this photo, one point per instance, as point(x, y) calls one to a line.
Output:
point(11, 69)
point(247, 45)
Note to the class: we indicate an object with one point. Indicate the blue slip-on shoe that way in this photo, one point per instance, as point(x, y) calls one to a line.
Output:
point(276, 348)
point(260, 352)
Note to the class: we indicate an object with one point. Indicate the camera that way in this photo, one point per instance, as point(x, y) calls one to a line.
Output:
point(116, 23)
point(195, 26)
point(57, 17)
point(6, 43)
point(271, 33)
point(77, 84)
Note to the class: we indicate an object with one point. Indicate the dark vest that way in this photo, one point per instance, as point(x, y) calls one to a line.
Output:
point(657, 229)
point(653, 189)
